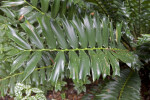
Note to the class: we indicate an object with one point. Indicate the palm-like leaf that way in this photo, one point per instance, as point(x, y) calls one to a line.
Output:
point(58, 7)
point(125, 87)
point(108, 53)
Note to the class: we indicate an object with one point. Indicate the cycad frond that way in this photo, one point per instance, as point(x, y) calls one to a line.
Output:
point(97, 45)
point(125, 87)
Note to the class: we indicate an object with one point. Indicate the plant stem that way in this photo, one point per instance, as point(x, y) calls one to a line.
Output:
point(34, 7)
point(77, 49)
point(22, 73)
point(139, 17)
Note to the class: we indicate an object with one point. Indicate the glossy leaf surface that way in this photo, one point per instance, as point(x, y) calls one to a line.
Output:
point(47, 32)
point(15, 37)
point(31, 64)
point(58, 67)
point(19, 61)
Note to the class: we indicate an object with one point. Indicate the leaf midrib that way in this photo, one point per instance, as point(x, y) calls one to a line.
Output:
point(124, 85)
point(77, 49)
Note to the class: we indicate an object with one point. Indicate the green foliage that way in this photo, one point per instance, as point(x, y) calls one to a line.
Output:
point(52, 8)
point(44, 42)
point(139, 16)
point(125, 87)
point(135, 13)
point(144, 39)
point(88, 52)
point(143, 47)
point(21, 88)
